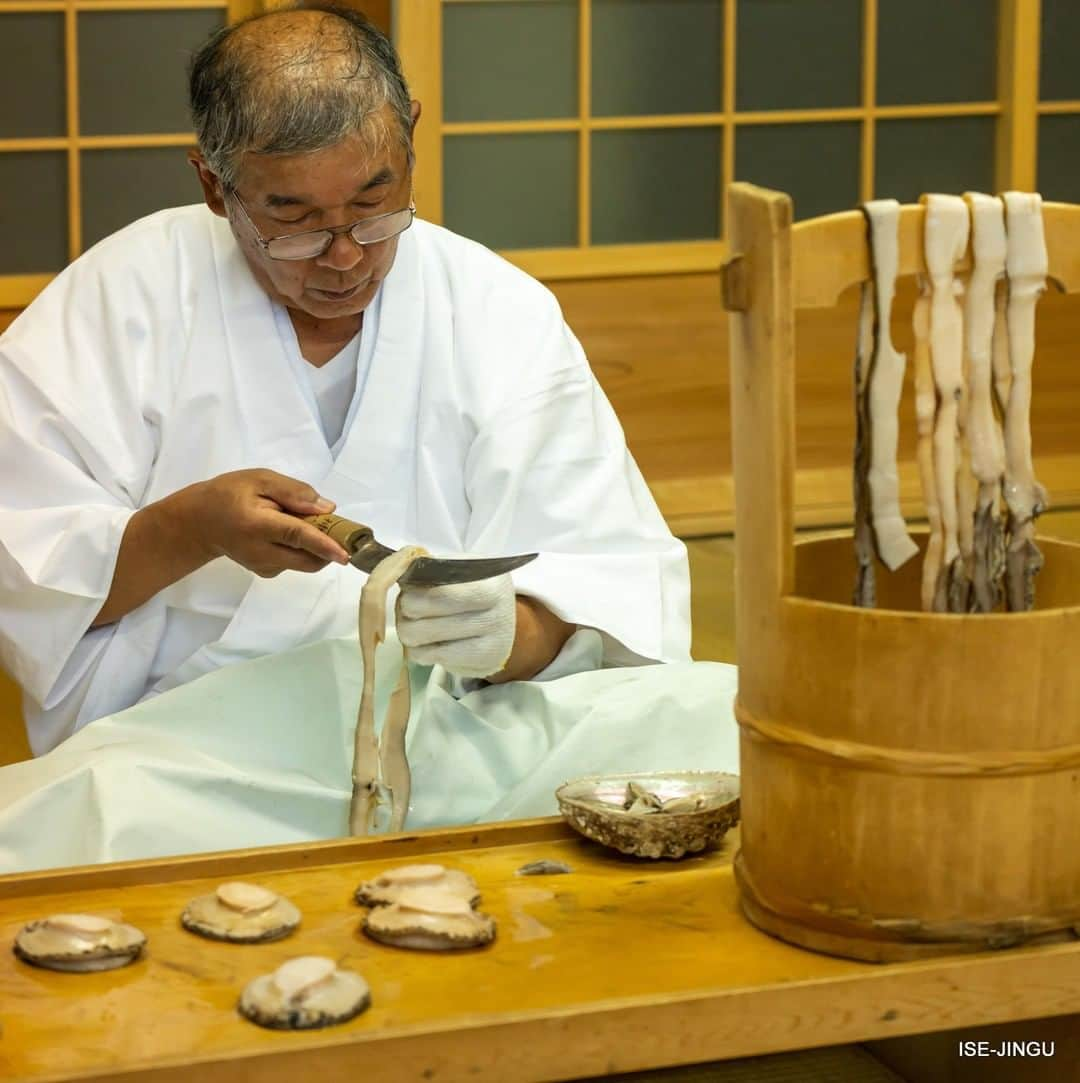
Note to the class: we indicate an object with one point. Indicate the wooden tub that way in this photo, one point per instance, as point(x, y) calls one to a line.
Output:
point(910, 781)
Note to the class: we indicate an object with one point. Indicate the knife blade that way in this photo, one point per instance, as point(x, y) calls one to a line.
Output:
point(365, 552)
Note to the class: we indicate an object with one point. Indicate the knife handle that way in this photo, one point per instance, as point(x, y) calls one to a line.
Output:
point(349, 535)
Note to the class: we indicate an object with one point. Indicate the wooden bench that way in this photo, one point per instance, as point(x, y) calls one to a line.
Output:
point(621, 965)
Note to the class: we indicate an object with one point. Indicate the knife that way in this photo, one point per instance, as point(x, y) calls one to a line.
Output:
point(365, 552)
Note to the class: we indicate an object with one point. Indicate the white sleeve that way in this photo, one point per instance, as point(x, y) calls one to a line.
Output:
point(76, 454)
point(549, 469)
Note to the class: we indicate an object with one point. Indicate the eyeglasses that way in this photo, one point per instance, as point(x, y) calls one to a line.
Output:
point(314, 242)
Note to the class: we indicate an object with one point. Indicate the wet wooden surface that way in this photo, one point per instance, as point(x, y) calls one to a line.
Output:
point(620, 965)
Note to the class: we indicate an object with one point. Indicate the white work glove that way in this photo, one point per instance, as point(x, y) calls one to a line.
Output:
point(468, 628)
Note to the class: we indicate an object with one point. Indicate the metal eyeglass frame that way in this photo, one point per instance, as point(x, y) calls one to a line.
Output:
point(330, 232)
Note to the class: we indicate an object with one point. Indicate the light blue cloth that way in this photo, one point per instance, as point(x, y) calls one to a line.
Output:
point(260, 753)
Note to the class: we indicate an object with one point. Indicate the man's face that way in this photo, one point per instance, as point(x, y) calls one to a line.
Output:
point(294, 193)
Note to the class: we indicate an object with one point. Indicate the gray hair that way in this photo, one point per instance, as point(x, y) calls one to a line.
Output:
point(256, 91)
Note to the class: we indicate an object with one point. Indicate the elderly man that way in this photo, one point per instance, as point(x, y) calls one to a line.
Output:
point(186, 391)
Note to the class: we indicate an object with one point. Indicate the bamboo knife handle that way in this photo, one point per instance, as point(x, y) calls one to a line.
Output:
point(349, 535)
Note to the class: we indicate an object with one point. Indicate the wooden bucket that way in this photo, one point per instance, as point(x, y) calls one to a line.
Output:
point(910, 781)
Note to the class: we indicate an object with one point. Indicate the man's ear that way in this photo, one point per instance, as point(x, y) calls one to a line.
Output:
point(211, 185)
point(414, 114)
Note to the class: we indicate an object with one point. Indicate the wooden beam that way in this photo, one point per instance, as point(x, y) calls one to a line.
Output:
point(1018, 90)
point(418, 37)
point(17, 291)
point(71, 105)
point(727, 105)
point(378, 11)
point(618, 260)
point(235, 10)
point(584, 164)
point(868, 131)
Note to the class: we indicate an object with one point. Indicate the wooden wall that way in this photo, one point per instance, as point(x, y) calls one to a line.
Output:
point(659, 346)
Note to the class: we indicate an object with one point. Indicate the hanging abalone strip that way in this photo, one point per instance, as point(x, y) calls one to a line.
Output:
point(945, 240)
point(886, 379)
point(380, 777)
point(984, 433)
point(864, 593)
point(1026, 264)
point(925, 411)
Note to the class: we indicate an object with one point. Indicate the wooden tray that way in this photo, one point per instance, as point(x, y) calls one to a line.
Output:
point(621, 965)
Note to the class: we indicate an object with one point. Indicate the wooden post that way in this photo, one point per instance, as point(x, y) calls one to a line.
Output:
point(418, 37)
point(1018, 90)
point(71, 101)
point(378, 11)
point(758, 281)
point(868, 126)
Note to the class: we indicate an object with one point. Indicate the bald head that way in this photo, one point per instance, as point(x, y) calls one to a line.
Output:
point(293, 44)
point(292, 81)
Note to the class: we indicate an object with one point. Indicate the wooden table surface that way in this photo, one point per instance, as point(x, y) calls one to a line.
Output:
point(620, 965)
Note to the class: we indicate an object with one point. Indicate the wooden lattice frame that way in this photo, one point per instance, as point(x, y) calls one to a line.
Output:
point(419, 40)
point(19, 290)
point(418, 33)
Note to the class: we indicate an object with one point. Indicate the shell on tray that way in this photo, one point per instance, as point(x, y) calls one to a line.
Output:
point(429, 918)
point(303, 993)
point(78, 943)
point(664, 814)
point(242, 913)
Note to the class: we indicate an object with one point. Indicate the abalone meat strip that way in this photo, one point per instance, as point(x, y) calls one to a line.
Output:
point(945, 241)
point(925, 410)
point(1026, 264)
point(381, 780)
point(388, 886)
point(886, 379)
point(988, 245)
point(865, 592)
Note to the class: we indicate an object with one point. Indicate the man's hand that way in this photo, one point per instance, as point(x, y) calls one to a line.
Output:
point(252, 517)
point(244, 515)
point(466, 627)
point(480, 630)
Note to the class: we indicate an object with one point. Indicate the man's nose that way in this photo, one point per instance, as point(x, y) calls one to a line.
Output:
point(343, 254)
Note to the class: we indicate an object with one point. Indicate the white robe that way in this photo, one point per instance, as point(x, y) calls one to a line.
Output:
point(154, 361)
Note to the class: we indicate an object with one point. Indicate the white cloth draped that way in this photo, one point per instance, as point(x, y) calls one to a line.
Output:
point(261, 753)
point(153, 362)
